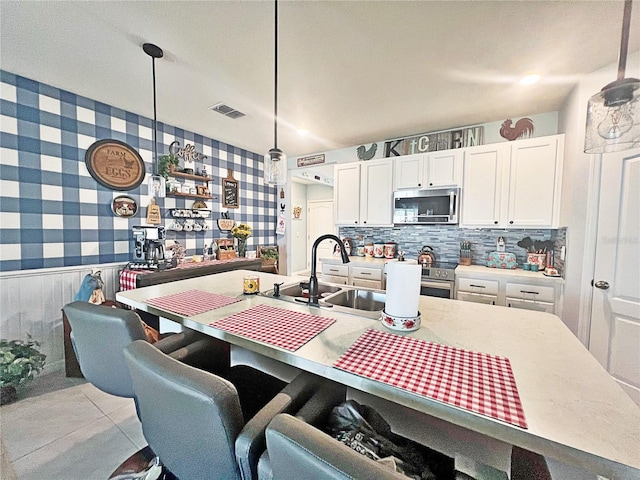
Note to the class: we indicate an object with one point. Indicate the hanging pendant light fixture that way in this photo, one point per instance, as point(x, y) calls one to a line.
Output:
point(613, 116)
point(275, 162)
point(156, 181)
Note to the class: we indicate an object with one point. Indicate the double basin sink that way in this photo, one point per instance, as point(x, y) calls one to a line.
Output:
point(345, 299)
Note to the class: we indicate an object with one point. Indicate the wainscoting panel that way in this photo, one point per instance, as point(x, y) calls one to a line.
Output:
point(31, 302)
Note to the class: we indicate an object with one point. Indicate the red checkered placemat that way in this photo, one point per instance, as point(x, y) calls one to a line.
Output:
point(191, 302)
point(470, 380)
point(275, 326)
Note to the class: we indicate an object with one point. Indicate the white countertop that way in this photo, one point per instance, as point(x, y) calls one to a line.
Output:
point(481, 271)
point(576, 412)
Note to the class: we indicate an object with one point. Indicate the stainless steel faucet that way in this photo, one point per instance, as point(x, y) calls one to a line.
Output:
point(313, 280)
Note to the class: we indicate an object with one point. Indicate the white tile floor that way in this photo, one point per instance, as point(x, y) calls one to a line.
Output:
point(66, 429)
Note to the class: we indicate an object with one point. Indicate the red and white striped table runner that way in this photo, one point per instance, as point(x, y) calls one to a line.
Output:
point(474, 381)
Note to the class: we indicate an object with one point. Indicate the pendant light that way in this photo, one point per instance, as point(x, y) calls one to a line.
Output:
point(275, 162)
point(156, 182)
point(613, 116)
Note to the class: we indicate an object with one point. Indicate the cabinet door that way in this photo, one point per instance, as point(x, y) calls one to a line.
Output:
point(482, 185)
point(444, 168)
point(409, 171)
point(376, 198)
point(477, 298)
point(534, 182)
point(531, 305)
point(346, 194)
point(334, 279)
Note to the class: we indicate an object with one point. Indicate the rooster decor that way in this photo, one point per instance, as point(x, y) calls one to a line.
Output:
point(365, 155)
point(523, 128)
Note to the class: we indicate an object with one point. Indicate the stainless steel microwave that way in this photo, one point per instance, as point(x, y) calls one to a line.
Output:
point(426, 206)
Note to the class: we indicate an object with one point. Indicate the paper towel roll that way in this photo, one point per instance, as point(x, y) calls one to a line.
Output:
point(403, 289)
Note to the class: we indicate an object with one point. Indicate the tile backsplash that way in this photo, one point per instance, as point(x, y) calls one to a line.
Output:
point(445, 240)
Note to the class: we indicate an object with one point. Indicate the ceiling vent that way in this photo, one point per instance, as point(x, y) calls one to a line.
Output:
point(226, 110)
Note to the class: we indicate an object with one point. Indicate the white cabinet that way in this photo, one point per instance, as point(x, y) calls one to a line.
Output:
point(363, 193)
point(511, 288)
point(513, 184)
point(435, 169)
point(366, 277)
point(355, 273)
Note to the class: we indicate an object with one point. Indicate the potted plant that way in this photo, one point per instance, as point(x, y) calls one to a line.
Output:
point(164, 164)
point(269, 256)
point(19, 362)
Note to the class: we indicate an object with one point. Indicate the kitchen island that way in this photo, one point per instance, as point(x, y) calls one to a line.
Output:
point(575, 411)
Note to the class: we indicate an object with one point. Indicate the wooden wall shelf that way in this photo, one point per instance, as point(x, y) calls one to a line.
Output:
point(190, 176)
point(190, 195)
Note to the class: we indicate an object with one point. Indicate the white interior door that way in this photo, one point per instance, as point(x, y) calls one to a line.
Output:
point(319, 222)
point(615, 319)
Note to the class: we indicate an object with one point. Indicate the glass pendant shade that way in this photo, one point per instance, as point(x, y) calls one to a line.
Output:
point(157, 186)
point(275, 167)
point(613, 118)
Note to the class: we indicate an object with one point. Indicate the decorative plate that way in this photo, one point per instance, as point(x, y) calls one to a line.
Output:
point(115, 164)
point(124, 206)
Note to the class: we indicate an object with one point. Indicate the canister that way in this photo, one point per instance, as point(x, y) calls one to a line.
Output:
point(368, 250)
point(378, 250)
point(251, 285)
point(389, 250)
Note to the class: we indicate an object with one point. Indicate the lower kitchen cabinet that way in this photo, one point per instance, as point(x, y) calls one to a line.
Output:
point(510, 288)
point(369, 275)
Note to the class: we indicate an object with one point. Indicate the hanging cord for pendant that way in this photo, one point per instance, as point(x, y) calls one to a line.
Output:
point(154, 52)
point(275, 82)
point(624, 39)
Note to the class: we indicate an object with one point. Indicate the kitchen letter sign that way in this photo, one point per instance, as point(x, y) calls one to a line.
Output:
point(230, 191)
point(115, 164)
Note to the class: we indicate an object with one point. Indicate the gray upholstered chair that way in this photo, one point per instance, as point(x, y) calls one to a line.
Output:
point(299, 450)
point(202, 425)
point(100, 334)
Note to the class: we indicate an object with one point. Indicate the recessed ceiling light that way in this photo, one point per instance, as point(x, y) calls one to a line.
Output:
point(302, 131)
point(530, 79)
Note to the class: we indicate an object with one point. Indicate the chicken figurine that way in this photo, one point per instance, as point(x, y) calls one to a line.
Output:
point(522, 129)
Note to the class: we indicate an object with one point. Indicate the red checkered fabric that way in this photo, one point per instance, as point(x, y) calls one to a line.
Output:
point(470, 380)
point(191, 302)
point(128, 279)
point(275, 326)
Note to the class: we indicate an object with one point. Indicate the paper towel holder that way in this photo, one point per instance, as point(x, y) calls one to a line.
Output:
point(401, 324)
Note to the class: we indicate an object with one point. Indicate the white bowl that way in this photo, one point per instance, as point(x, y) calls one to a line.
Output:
point(400, 324)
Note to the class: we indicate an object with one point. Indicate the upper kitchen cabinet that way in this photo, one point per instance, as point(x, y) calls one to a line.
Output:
point(435, 169)
point(363, 193)
point(513, 184)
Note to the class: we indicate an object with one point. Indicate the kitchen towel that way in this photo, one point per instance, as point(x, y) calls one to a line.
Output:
point(403, 289)
point(473, 381)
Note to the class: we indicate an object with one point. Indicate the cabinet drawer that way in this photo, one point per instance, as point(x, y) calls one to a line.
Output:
point(477, 298)
point(339, 270)
point(530, 292)
point(366, 273)
point(486, 287)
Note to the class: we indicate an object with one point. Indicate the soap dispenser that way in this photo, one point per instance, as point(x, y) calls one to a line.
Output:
point(500, 245)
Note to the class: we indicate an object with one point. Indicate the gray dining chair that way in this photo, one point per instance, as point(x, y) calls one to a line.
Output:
point(202, 425)
point(100, 334)
point(300, 450)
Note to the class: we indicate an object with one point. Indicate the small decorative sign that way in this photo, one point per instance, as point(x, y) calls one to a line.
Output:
point(230, 190)
point(115, 164)
point(430, 142)
point(311, 160)
point(124, 206)
point(187, 153)
point(153, 213)
point(297, 212)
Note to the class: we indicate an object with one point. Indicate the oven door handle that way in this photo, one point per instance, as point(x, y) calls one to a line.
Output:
point(451, 201)
point(443, 284)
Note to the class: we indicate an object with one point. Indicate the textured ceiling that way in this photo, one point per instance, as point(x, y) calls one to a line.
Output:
point(350, 72)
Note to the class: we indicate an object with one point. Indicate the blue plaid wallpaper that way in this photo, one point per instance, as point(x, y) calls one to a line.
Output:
point(53, 213)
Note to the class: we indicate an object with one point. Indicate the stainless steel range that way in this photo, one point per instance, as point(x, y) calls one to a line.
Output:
point(438, 279)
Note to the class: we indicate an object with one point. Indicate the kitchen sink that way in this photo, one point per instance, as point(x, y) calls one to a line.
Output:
point(296, 290)
point(365, 303)
point(367, 300)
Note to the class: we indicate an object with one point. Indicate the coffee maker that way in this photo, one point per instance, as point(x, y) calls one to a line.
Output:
point(148, 248)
